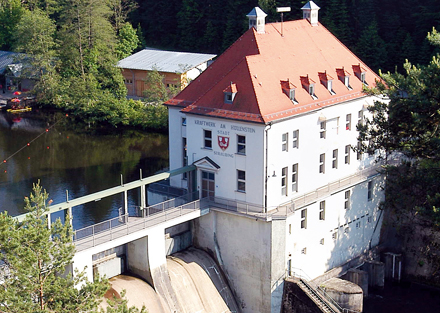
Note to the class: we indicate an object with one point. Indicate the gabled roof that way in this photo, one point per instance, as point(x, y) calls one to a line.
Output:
point(164, 61)
point(257, 63)
point(6, 59)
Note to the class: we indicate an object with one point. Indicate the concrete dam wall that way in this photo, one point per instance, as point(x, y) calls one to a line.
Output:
point(196, 280)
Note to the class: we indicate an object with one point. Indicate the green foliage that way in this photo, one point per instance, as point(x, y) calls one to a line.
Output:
point(372, 47)
point(127, 41)
point(10, 14)
point(36, 258)
point(407, 123)
point(35, 266)
point(34, 34)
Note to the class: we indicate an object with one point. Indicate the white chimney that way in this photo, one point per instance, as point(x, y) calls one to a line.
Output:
point(257, 19)
point(310, 12)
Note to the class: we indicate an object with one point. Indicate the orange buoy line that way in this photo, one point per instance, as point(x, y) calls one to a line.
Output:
point(29, 143)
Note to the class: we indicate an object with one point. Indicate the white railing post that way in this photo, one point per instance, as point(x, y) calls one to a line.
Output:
point(93, 235)
point(111, 234)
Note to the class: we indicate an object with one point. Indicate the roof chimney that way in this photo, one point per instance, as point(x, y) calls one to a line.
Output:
point(310, 12)
point(257, 19)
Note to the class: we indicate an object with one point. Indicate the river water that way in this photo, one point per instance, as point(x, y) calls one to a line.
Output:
point(41, 146)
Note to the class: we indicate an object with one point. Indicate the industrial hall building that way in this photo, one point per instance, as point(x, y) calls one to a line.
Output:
point(271, 127)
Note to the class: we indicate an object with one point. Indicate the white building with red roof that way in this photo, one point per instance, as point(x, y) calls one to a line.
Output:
point(270, 126)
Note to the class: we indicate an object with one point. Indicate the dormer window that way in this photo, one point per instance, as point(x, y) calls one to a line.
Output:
point(344, 77)
point(309, 85)
point(363, 78)
point(361, 73)
point(289, 90)
point(229, 93)
point(327, 81)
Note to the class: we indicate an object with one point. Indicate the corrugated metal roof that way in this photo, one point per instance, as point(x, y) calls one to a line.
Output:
point(164, 61)
point(6, 58)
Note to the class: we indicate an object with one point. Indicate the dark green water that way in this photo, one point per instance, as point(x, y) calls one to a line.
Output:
point(65, 159)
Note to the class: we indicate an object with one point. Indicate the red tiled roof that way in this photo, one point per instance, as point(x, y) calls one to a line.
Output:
point(257, 63)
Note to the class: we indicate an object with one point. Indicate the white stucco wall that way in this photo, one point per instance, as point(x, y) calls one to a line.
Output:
point(311, 146)
point(228, 159)
point(360, 219)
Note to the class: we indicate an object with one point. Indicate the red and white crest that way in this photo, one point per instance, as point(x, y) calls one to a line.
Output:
point(223, 142)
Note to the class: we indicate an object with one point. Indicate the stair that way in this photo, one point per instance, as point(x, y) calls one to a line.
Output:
point(323, 304)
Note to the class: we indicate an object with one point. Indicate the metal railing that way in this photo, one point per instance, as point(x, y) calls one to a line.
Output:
point(166, 189)
point(124, 225)
point(334, 186)
point(299, 273)
point(165, 205)
point(250, 209)
point(322, 299)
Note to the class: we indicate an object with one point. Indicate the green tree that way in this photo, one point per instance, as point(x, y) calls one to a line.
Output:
point(35, 259)
point(127, 41)
point(35, 263)
point(409, 122)
point(10, 14)
point(34, 36)
point(120, 11)
point(371, 48)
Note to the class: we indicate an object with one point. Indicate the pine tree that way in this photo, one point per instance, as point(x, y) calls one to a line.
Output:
point(35, 266)
point(35, 258)
point(371, 48)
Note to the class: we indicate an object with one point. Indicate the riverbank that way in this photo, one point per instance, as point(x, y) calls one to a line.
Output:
point(52, 148)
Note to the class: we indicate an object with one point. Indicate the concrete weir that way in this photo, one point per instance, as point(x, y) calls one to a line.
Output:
point(190, 282)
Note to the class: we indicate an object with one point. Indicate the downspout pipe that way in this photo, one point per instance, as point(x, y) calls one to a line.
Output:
point(266, 131)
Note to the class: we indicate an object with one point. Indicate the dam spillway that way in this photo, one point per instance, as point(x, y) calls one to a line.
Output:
point(196, 279)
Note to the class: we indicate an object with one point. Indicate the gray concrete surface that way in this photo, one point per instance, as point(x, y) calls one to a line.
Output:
point(199, 284)
point(138, 293)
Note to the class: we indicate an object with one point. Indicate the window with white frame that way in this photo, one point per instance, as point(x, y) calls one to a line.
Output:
point(322, 210)
point(361, 117)
point(304, 218)
point(321, 241)
point(335, 159)
point(358, 224)
point(322, 163)
point(295, 177)
point(295, 139)
point(364, 78)
point(304, 250)
point(284, 181)
point(183, 121)
point(322, 130)
point(347, 154)
point(184, 157)
point(370, 191)
point(241, 144)
point(284, 143)
point(347, 200)
point(241, 181)
point(348, 122)
point(358, 152)
point(207, 139)
point(335, 235)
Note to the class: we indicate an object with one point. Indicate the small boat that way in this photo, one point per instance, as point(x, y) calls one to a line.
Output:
point(19, 110)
